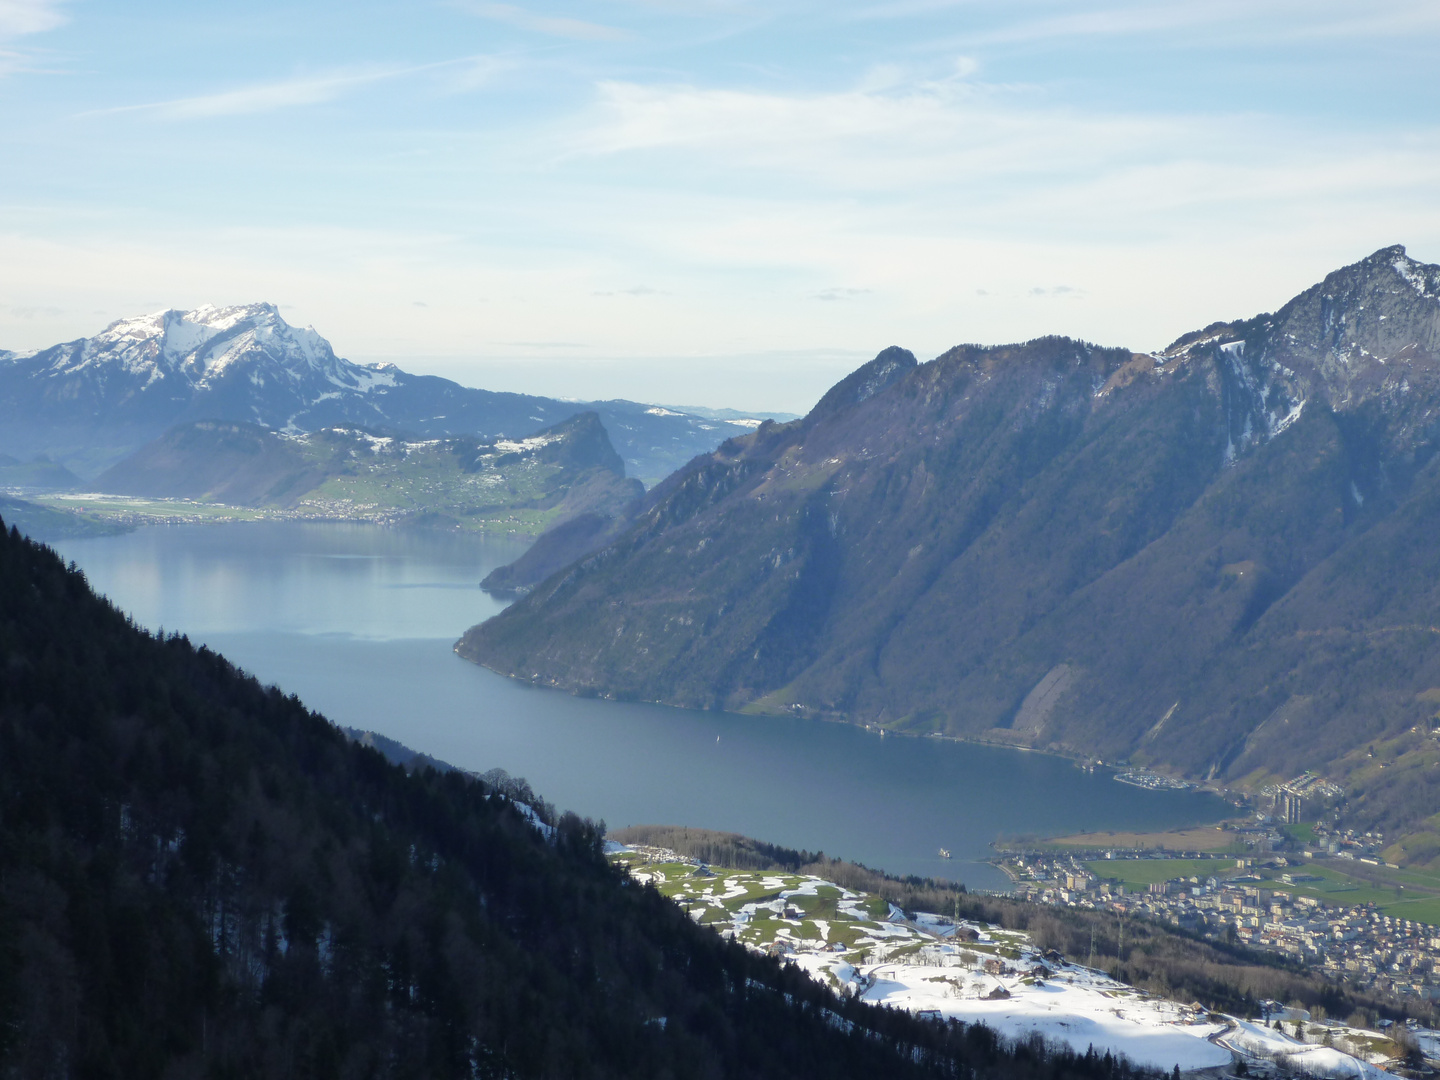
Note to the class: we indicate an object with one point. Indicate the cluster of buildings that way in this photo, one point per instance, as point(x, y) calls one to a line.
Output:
point(1357, 944)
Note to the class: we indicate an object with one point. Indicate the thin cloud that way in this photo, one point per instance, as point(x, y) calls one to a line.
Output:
point(926, 134)
point(270, 97)
point(1257, 20)
point(554, 26)
point(478, 71)
point(260, 98)
point(1113, 22)
point(20, 17)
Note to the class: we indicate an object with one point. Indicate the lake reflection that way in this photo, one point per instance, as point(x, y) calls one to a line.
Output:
point(360, 621)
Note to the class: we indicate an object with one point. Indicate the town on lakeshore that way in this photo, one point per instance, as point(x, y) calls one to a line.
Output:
point(1314, 892)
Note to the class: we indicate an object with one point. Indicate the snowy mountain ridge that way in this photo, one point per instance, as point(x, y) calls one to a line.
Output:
point(204, 344)
point(1369, 332)
point(92, 401)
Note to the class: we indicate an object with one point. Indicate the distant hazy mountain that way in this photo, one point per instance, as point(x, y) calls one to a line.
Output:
point(750, 419)
point(1220, 559)
point(518, 486)
point(90, 402)
point(38, 474)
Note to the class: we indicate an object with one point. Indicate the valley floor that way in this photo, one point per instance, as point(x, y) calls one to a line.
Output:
point(132, 512)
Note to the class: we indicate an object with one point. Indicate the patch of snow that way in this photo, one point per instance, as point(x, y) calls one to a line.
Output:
point(1077, 1008)
point(369, 376)
point(976, 973)
point(528, 811)
point(1288, 419)
point(525, 446)
point(1410, 270)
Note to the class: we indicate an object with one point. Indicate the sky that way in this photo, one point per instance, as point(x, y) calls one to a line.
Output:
point(715, 202)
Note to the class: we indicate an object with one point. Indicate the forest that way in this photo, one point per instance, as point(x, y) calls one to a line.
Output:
point(200, 877)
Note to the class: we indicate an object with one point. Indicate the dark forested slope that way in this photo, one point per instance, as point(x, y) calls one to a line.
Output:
point(1218, 558)
point(199, 877)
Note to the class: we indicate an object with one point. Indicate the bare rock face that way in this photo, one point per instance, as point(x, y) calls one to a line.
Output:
point(1368, 336)
point(1217, 558)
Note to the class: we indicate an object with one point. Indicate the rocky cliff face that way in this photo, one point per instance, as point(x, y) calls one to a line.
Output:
point(1368, 336)
point(1214, 559)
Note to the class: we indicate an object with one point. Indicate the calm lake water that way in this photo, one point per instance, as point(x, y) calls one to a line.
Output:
point(360, 621)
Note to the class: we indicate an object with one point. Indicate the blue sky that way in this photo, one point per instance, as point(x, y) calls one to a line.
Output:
point(709, 202)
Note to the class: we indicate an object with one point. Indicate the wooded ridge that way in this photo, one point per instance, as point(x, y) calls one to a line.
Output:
point(201, 877)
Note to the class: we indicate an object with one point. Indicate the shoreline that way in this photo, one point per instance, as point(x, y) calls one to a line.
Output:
point(143, 512)
point(1079, 760)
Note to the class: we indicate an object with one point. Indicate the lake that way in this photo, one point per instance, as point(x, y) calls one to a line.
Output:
point(360, 620)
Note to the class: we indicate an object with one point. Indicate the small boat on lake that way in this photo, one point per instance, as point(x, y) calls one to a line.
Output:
point(944, 853)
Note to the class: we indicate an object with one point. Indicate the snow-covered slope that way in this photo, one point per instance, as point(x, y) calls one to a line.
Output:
point(90, 402)
point(861, 946)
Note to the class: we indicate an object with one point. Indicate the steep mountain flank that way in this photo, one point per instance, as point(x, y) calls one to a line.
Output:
point(90, 402)
point(560, 473)
point(225, 461)
point(201, 877)
point(1215, 559)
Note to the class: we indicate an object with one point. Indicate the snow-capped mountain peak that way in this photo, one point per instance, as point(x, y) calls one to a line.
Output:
point(212, 343)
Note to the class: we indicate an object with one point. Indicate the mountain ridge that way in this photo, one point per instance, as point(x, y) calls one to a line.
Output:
point(1148, 531)
point(92, 401)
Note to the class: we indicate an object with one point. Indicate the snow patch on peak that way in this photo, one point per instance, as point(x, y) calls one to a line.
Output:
point(207, 344)
point(1414, 274)
point(367, 377)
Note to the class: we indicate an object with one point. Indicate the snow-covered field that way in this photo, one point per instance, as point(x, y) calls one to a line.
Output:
point(1072, 1005)
point(1249, 1038)
point(862, 946)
